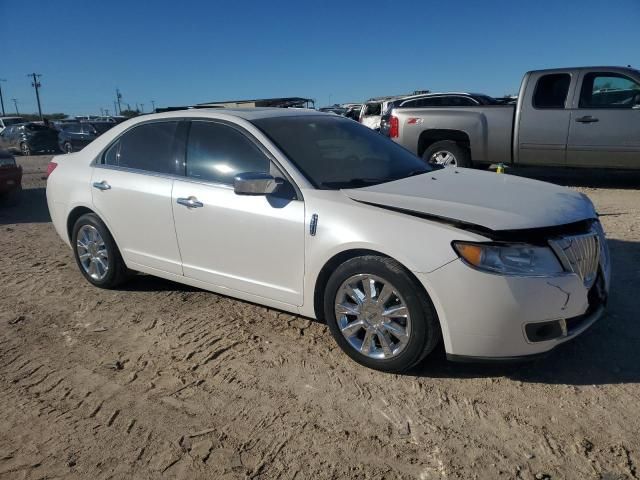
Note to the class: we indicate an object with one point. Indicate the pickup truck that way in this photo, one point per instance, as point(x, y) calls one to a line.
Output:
point(573, 117)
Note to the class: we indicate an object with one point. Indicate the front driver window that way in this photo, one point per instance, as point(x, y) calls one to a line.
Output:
point(609, 90)
point(217, 153)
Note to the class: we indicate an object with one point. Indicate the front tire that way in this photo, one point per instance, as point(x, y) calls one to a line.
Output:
point(379, 315)
point(96, 253)
point(448, 153)
point(67, 147)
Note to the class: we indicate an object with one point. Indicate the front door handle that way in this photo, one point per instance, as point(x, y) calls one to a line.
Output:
point(191, 202)
point(586, 119)
point(103, 185)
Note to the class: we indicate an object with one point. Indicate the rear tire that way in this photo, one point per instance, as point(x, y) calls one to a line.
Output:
point(448, 153)
point(25, 150)
point(99, 260)
point(67, 147)
point(411, 338)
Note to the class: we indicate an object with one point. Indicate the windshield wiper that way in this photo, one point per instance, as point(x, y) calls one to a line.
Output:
point(354, 183)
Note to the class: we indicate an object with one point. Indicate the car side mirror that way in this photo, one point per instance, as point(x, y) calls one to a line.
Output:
point(256, 183)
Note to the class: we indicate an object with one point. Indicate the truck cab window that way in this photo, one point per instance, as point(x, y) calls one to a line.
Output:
point(609, 90)
point(551, 90)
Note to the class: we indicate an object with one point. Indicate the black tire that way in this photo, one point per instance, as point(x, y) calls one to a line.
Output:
point(67, 147)
point(117, 271)
point(12, 198)
point(460, 153)
point(25, 150)
point(425, 329)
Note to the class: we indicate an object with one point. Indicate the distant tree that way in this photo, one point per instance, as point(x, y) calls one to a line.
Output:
point(129, 113)
point(34, 117)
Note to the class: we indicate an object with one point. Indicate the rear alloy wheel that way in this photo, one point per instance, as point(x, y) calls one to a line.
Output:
point(96, 253)
point(25, 150)
point(448, 154)
point(379, 315)
point(67, 147)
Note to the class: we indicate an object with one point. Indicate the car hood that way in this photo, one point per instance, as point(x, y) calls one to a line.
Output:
point(489, 200)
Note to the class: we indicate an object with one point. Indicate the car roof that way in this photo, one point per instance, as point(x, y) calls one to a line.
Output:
point(248, 114)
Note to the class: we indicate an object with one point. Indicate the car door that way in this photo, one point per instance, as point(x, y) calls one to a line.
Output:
point(132, 184)
point(605, 125)
point(88, 134)
point(250, 244)
point(544, 119)
point(4, 138)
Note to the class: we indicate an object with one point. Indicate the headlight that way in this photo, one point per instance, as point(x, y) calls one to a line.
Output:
point(509, 258)
point(7, 162)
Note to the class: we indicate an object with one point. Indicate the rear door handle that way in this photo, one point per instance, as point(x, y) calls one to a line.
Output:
point(103, 185)
point(586, 119)
point(191, 202)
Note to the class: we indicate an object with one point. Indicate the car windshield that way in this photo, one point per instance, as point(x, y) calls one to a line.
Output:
point(34, 127)
point(12, 121)
point(334, 153)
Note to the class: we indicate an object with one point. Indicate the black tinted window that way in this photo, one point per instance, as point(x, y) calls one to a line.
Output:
point(149, 147)
point(373, 109)
point(72, 128)
point(217, 153)
point(609, 90)
point(551, 91)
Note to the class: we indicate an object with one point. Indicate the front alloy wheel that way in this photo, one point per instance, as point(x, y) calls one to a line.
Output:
point(379, 314)
point(372, 316)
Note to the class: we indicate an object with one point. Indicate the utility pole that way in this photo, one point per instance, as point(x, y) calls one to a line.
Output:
point(118, 98)
point(36, 84)
point(153, 105)
point(15, 102)
point(128, 108)
point(106, 112)
point(115, 107)
point(142, 107)
point(1, 99)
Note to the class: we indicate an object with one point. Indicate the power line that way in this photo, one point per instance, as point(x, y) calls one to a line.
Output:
point(1, 99)
point(118, 98)
point(36, 84)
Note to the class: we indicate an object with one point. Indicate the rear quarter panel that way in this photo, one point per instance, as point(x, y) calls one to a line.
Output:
point(489, 128)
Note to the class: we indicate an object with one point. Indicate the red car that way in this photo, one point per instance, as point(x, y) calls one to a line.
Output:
point(10, 177)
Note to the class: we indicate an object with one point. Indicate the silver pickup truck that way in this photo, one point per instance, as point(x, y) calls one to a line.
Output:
point(574, 117)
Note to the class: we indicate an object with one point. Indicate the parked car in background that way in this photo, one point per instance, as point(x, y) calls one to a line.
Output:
point(10, 178)
point(353, 111)
point(433, 100)
point(337, 109)
point(571, 117)
point(377, 243)
point(6, 121)
point(28, 138)
point(370, 113)
point(75, 136)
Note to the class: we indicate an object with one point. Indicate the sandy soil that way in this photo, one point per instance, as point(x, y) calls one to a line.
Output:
point(159, 380)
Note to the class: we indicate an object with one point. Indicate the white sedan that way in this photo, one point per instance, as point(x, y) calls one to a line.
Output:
point(317, 215)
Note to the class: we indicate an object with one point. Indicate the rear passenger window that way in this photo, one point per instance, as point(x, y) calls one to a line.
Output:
point(551, 90)
point(217, 153)
point(149, 147)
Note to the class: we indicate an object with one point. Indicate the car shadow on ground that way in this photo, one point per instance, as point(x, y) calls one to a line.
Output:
point(605, 354)
point(574, 177)
point(31, 207)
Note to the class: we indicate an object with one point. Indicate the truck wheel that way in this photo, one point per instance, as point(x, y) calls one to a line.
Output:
point(448, 154)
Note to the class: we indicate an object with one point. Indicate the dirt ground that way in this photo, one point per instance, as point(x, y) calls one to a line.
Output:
point(159, 380)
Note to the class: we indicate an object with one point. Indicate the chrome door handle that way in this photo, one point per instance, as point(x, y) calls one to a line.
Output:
point(586, 119)
point(103, 185)
point(191, 202)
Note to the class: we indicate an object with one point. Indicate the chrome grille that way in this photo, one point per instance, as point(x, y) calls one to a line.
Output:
point(579, 254)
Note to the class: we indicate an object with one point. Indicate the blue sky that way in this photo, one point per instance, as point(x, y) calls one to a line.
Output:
point(181, 52)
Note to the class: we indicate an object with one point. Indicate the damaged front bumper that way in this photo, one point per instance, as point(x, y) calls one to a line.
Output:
point(493, 317)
